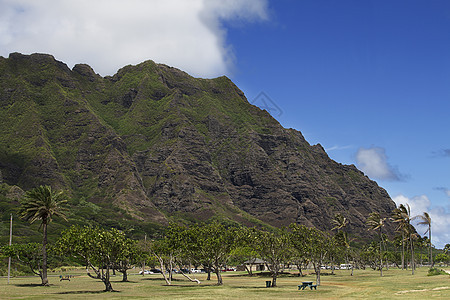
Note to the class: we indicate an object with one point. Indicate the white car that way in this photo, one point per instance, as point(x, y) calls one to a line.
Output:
point(195, 270)
point(146, 272)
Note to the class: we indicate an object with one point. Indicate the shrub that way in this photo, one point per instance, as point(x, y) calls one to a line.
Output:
point(436, 271)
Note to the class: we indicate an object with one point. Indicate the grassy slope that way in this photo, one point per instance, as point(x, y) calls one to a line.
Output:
point(367, 284)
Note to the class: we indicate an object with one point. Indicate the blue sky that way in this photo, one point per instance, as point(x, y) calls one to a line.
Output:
point(368, 80)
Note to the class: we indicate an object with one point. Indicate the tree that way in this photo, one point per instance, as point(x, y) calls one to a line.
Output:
point(442, 258)
point(425, 219)
point(312, 243)
point(272, 247)
point(100, 249)
point(244, 255)
point(29, 254)
point(42, 203)
point(447, 249)
point(211, 245)
point(128, 256)
point(402, 216)
point(376, 222)
point(398, 216)
point(340, 222)
point(298, 238)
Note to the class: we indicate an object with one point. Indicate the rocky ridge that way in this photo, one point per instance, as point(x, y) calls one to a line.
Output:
point(156, 144)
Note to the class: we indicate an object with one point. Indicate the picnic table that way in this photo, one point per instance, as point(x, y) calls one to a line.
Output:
point(65, 277)
point(305, 284)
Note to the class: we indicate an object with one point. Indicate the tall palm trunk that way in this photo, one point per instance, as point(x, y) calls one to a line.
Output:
point(381, 254)
point(412, 255)
point(44, 254)
point(431, 248)
point(403, 251)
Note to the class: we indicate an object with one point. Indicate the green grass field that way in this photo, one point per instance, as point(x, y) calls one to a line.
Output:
point(365, 284)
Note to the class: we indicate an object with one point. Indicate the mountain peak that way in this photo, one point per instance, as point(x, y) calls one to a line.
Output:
point(157, 144)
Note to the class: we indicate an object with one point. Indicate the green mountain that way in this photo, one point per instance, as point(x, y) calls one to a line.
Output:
point(152, 144)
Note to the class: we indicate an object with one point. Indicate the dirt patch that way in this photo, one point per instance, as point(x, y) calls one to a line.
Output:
point(424, 290)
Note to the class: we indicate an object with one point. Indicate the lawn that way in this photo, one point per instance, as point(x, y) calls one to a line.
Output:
point(365, 284)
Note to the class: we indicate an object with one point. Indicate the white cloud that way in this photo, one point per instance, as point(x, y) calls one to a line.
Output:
point(337, 148)
point(440, 217)
point(373, 162)
point(109, 34)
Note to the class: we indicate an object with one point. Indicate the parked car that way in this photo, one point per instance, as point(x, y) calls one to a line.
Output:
point(146, 272)
point(155, 271)
point(186, 271)
point(229, 270)
point(345, 266)
point(196, 270)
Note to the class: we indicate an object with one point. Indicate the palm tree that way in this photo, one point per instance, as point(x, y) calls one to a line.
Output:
point(398, 217)
point(402, 216)
point(447, 249)
point(42, 203)
point(375, 221)
point(340, 222)
point(426, 220)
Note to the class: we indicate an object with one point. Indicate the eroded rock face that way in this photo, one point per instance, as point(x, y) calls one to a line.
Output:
point(157, 143)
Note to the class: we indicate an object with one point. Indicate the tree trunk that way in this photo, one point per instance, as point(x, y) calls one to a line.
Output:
point(44, 253)
point(317, 274)
point(219, 277)
point(299, 267)
point(125, 276)
point(108, 286)
point(249, 270)
point(412, 255)
point(106, 280)
point(431, 248)
point(381, 255)
point(403, 252)
point(274, 279)
point(161, 263)
point(189, 278)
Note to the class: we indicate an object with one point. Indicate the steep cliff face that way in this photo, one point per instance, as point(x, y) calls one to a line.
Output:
point(159, 144)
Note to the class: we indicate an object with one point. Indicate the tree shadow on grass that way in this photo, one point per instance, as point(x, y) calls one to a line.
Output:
point(29, 285)
point(191, 285)
point(85, 292)
point(162, 279)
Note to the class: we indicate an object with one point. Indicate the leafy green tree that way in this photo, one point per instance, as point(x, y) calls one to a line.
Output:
point(128, 256)
point(298, 237)
point(29, 254)
point(43, 203)
point(272, 247)
point(425, 219)
point(319, 246)
point(311, 242)
point(244, 255)
point(376, 222)
point(442, 258)
point(370, 255)
point(211, 245)
point(169, 251)
point(100, 249)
